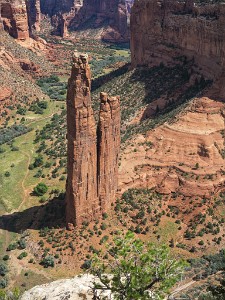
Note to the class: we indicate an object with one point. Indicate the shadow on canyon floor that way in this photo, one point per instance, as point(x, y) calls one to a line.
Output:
point(92, 22)
point(167, 87)
point(101, 80)
point(51, 214)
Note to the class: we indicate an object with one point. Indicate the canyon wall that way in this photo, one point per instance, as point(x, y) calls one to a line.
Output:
point(20, 17)
point(14, 19)
point(34, 14)
point(92, 157)
point(109, 13)
point(61, 13)
point(162, 31)
point(74, 14)
point(110, 17)
point(53, 7)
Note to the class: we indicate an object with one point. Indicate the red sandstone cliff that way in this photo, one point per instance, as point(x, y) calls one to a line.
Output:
point(108, 150)
point(161, 31)
point(108, 14)
point(92, 170)
point(81, 192)
point(111, 15)
point(14, 19)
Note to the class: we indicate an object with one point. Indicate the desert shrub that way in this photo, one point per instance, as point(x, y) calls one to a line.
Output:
point(22, 244)
point(12, 246)
point(40, 189)
point(5, 257)
point(48, 261)
point(22, 255)
point(3, 269)
point(9, 133)
point(3, 283)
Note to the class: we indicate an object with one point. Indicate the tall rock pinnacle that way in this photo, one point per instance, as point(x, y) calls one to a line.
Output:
point(108, 149)
point(81, 197)
point(92, 175)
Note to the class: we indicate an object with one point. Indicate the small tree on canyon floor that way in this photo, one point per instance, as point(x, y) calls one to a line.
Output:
point(133, 270)
point(40, 189)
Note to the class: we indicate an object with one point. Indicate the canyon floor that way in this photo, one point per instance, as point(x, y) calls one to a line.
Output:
point(171, 171)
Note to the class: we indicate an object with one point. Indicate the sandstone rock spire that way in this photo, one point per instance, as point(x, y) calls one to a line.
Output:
point(108, 149)
point(92, 158)
point(81, 192)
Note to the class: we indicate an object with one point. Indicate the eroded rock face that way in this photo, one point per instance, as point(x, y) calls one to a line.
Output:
point(169, 163)
point(161, 31)
point(61, 13)
point(81, 197)
point(15, 20)
point(108, 150)
point(112, 15)
point(34, 14)
point(108, 14)
point(92, 176)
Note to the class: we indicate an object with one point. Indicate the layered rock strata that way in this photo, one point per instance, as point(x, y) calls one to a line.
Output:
point(14, 19)
point(108, 150)
point(185, 157)
point(109, 15)
point(92, 180)
point(167, 30)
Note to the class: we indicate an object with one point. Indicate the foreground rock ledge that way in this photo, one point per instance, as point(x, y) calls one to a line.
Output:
point(76, 288)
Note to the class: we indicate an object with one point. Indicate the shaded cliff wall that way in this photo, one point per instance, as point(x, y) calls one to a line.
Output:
point(34, 14)
point(72, 14)
point(92, 157)
point(53, 7)
point(110, 13)
point(61, 13)
point(161, 31)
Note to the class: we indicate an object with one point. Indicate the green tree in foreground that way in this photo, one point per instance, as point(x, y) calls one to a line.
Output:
point(133, 270)
point(40, 189)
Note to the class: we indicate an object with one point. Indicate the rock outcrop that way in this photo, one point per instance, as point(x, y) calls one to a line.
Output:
point(92, 178)
point(109, 15)
point(34, 14)
point(76, 288)
point(168, 164)
point(162, 31)
point(61, 13)
point(14, 19)
point(81, 198)
point(108, 150)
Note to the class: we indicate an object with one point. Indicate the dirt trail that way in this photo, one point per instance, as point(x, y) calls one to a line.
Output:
point(179, 289)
